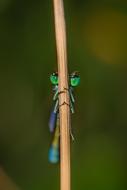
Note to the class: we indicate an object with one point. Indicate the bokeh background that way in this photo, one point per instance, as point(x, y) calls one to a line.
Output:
point(97, 48)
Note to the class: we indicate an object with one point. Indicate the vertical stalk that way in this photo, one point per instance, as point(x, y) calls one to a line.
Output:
point(64, 109)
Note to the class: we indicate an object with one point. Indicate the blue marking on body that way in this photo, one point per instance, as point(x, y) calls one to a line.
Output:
point(52, 121)
point(54, 155)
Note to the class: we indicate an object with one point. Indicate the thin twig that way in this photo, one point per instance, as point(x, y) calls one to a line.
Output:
point(60, 29)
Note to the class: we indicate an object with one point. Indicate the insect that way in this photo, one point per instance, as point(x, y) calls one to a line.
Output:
point(74, 81)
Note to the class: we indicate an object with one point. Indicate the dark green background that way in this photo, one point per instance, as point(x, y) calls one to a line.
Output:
point(97, 48)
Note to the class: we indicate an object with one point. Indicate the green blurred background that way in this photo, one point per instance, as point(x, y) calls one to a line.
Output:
point(97, 48)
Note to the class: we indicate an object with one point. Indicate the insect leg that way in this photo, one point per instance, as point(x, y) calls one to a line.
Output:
point(56, 107)
point(56, 94)
point(64, 103)
point(71, 95)
point(72, 107)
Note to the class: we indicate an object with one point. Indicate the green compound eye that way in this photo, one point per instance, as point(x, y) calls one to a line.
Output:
point(75, 79)
point(54, 78)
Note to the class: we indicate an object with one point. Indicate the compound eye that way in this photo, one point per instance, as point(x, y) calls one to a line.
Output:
point(54, 78)
point(75, 80)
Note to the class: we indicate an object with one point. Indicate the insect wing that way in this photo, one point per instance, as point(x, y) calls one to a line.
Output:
point(54, 149)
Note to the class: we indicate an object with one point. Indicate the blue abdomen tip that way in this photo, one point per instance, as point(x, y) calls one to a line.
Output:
point(53, 155)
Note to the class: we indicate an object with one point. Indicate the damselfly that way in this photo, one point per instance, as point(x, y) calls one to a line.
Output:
point(74, 81)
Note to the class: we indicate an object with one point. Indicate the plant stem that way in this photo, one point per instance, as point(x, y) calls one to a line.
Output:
point(64, 108)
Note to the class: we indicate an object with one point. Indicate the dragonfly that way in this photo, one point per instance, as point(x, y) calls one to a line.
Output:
point(54, 123)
